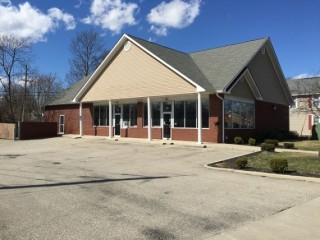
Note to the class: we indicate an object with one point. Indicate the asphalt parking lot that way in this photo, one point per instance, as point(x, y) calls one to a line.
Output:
point(63, 188)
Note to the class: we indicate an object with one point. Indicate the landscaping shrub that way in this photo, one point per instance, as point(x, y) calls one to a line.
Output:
point(252, 141)
point(278, 165)
point(288, 145)
point(272, 141)
point(267, 147)
point(238, 140)
point(241, 162)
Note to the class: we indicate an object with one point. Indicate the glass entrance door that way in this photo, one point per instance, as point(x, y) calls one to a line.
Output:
point(117, 118)
point(166, 125)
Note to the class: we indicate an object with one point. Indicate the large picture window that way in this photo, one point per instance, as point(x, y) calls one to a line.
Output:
point(179, 114)
point(101, 115)
point(130, 114)
point(185, 113)
point(191, 114)
point(238, 114)
point(145, 114)
point(156, 110)
point(205, 113)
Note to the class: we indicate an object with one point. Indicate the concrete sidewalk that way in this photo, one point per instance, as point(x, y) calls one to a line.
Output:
point(299, 222)
point(226, 146)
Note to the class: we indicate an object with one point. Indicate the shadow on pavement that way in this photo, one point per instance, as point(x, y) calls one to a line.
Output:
point(79, 182)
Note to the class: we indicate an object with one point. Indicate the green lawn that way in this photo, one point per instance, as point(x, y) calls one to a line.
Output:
point(309, 145)
point(302, 163)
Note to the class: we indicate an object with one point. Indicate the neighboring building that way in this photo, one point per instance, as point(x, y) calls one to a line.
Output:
point(145, 90)
point(305, 109)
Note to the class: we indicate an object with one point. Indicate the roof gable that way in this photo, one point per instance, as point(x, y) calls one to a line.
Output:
point(114, 51)
point(132, 74)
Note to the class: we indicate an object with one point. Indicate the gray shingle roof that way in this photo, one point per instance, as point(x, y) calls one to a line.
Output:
point(304, 85)
point(68, 95)
point(212, 69)
point(222, 65)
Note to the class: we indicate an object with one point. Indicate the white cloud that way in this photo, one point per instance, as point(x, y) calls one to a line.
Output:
point(174, 14)
point(306, 75)
point(26, 21)
point(58, 16)
point(112, 14)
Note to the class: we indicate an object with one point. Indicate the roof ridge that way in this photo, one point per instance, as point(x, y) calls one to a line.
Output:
point(160, 45)
point(231, 44)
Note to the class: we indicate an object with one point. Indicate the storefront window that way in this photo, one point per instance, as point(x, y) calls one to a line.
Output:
point(156, 109)
point(145, 114)
point(101, 115)
point(179, 114)
point(133, 115)
point(191, 113)
point(238, 114)
point(205, 113)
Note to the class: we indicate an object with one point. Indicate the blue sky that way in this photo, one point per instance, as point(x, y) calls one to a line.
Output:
point(185, 25)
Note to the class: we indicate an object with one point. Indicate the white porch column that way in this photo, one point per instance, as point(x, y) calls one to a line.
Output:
point(110, 119)
point(199, 119)
point(80, 120)
point(149, 120)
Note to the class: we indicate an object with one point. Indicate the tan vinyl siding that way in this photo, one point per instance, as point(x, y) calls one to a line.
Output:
point(299, 122)
point(242, 89)
point(135, 74)
point(266, 79)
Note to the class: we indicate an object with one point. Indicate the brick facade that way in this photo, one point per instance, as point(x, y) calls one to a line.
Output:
point(267, 116)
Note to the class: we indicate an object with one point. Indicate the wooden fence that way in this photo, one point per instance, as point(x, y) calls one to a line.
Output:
point(7, 131)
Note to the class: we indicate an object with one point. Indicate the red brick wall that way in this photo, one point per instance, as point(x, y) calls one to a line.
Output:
point(71, 113)
point(230, 134)
point(267, 118)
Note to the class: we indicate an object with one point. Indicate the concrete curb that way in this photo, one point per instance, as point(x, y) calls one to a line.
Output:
point(263, 174)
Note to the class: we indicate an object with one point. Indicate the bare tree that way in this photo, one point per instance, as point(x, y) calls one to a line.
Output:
point(42, 90)
point(14, 53)
point(87, 49)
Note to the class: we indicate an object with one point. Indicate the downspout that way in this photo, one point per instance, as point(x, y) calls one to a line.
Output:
point(80, 120)
point(222, 124)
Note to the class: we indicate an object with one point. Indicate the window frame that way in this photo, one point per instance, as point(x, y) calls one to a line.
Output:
point(241, 102)
point(99, 117)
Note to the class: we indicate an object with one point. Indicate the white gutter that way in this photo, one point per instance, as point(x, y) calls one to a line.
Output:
point(222, 124)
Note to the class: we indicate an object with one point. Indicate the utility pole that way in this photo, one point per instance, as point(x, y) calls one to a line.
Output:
point(25, 93)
